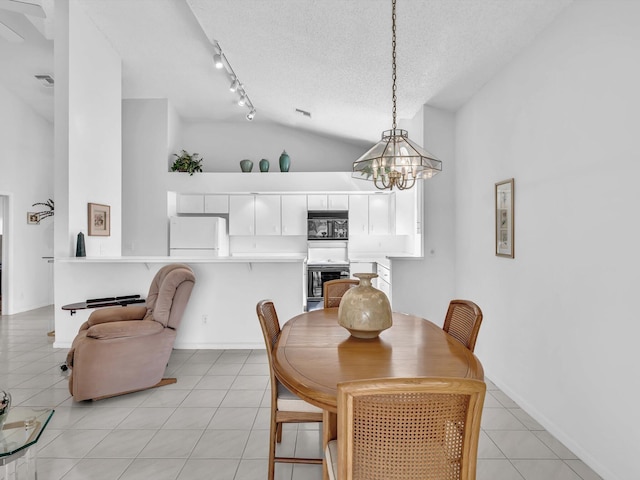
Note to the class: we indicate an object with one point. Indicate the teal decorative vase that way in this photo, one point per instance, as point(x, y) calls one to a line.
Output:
point(285, 161)
point(80, 249)
point(5, 405)
point(264, 165)
point(246, 165)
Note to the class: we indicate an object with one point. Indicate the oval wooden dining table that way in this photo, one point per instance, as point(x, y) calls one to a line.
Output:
point(314, 353)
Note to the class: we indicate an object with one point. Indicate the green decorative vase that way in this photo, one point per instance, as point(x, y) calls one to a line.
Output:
point(285, 161)
point(264, 165)
point(364, 310)
point(246, 165)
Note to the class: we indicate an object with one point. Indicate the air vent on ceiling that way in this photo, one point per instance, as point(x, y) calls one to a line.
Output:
point(303, 112)
point(46, 80)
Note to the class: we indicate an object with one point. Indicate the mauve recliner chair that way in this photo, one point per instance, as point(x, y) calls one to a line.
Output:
point(125, 349)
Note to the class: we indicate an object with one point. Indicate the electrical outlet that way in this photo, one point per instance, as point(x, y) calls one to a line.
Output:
point(205, 319)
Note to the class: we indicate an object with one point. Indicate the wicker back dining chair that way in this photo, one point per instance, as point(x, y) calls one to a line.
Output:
point(335, 289)
point(463, 322)
point(407, 429)
point(286, 407)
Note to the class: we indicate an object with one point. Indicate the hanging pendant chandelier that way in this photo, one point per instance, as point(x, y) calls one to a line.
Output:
point(395, 161)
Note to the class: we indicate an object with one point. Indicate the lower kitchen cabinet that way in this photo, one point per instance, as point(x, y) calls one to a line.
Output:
point(383, 281)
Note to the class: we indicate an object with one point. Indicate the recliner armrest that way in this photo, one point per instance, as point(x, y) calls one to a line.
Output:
point(104, 331)
point(117, 314)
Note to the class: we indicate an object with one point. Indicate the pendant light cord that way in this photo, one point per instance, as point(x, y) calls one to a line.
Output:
point(393, 48)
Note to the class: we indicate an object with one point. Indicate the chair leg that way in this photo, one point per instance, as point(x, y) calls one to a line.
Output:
point(273, 433)
point(279, 433)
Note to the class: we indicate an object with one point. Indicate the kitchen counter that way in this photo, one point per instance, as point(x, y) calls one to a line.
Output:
point(234, 258)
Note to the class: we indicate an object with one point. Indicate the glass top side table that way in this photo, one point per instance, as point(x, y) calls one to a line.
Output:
point(22, 430)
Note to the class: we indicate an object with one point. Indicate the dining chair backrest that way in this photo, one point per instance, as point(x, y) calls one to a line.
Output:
point(409, 428)
point(333, 290)
point(463, 322)
point(270, 326)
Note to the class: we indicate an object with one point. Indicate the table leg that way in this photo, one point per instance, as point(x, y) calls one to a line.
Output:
point(329, 432)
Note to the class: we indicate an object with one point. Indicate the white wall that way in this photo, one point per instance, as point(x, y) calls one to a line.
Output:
point(26, 167)
point(560, 330)
point(145, 145)
point(223, 145)
point(425, 286)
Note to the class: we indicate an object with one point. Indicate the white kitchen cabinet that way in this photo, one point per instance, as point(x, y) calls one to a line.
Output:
point(267, 213)
point(383, 281)
point(254, 215)
point(216, 204)
point(294, 214)
point(380, 214)
point(189, 203)
point(358, 215)
point(328, 202)
point(370, 214)
point(242, 215)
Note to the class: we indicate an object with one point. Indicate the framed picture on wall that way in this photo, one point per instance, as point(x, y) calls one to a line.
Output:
point(99, 219)
point(33, 218)
point(504, 192)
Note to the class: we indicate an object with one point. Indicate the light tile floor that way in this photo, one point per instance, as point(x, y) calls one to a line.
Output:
point(213, 424)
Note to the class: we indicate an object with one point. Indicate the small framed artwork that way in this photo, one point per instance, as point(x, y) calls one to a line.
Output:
point(504, 218)
point(33, 218)
point(99, 219)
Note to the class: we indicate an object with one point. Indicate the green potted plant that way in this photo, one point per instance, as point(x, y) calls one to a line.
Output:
point(187, 162)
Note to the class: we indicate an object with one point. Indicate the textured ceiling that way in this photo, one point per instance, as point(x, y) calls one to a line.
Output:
point(328, 57)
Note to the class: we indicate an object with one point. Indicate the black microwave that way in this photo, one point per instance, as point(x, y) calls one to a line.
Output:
point(328, 225)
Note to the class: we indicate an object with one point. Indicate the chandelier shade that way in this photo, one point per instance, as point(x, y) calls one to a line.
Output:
point(396, 161)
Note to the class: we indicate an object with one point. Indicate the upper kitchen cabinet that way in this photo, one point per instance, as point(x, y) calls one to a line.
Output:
point(358, 214)
point(371, 214)
point(294, 214)
point(190, 203)
point(216, 204)
point(328, 202)
point(242, 215)
point(254, 215)
point(380, 209)
point(268, 210)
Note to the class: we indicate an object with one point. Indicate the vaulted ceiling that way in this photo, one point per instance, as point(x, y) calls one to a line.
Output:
point(331, 58)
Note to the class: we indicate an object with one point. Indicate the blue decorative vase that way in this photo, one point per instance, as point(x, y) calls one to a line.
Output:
point(246, 165)
point(285, 161)
point(5, 405)
point(264, 165)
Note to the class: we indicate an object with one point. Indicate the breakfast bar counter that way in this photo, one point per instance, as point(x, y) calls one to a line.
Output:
point(221, 311)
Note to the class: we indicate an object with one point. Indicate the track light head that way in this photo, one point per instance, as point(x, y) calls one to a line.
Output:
point(217, 61)
point(242, 101)
point(234, 85)
point(251, 114)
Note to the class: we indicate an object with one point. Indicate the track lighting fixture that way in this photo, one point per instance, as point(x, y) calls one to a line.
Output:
point(220, 61)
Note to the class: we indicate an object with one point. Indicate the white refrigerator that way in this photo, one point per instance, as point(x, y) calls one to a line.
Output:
point(198, 237)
